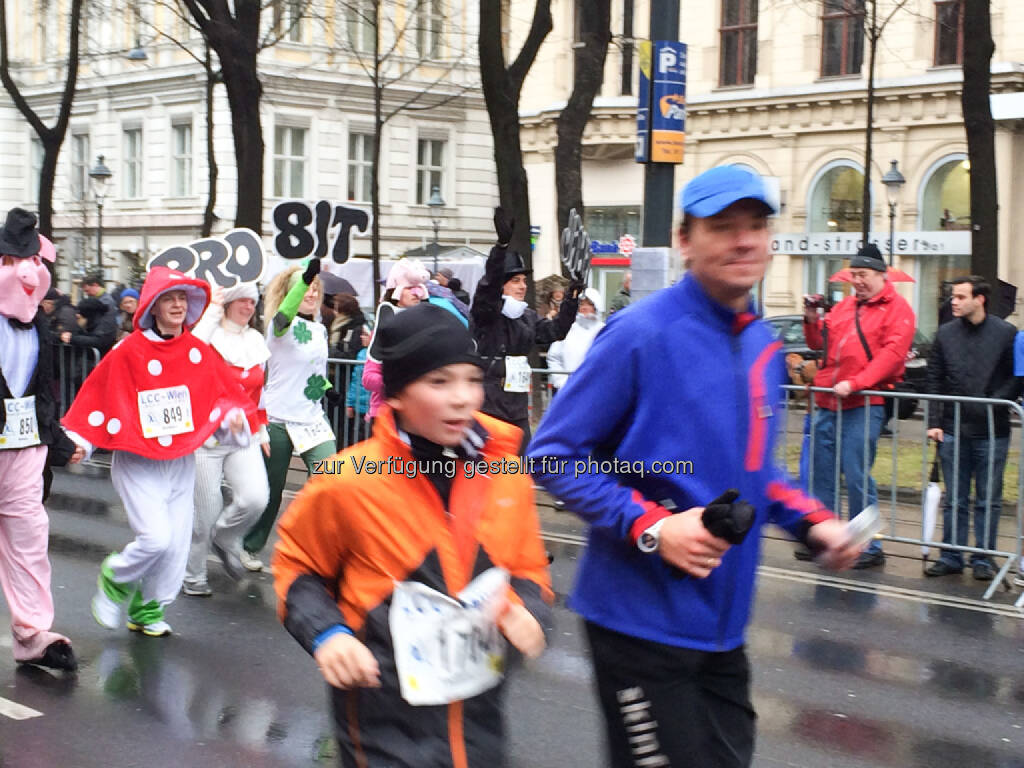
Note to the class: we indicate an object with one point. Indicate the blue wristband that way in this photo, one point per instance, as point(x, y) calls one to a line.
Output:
point(329, 633)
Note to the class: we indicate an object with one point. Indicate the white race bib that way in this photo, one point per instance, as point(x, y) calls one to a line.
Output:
point(21, 430)
point(517, 374)
point(166, 411)
point(306, 436)
point(447, 649)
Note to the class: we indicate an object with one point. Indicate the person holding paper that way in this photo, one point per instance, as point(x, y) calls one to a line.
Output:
point(687, 376)
point(369, 564)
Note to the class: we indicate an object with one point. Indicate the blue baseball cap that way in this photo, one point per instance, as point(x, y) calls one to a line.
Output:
point(715, 190)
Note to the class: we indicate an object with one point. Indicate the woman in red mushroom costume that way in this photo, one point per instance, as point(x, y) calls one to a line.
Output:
point(153, 400)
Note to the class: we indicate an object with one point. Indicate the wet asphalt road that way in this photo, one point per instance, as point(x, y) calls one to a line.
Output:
point(865, 671)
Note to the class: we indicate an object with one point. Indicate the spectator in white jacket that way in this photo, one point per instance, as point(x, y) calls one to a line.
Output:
point(566, 355)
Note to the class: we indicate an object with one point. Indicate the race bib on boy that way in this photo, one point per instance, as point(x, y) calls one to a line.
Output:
point(517, 374)
point(448, 649)
point(306, 436)
point(166, 411)
point(21, 429)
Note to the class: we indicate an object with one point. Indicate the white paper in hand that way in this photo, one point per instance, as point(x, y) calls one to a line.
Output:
point(864, 526)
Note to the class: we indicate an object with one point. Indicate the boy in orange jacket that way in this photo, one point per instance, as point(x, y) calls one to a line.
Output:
point(409, 563)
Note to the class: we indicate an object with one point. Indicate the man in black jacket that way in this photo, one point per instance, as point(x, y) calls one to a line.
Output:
point(506, 329)
point(972, 356)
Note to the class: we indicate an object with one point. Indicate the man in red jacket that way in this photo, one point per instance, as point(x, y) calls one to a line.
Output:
point(865, 339)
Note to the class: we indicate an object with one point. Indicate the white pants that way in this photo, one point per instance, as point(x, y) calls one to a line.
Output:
point(157, 497)
point(243, 470)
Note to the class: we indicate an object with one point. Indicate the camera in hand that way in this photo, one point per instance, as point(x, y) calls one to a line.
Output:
point(816, 301)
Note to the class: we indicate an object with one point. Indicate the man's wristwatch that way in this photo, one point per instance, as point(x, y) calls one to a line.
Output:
point(649, 540)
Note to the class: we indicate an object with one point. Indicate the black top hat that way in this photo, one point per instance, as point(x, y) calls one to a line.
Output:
point(514, 265)
point(18, 235)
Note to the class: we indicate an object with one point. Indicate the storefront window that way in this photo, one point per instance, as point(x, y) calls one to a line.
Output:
point(946, 203)
point(837, 201)
point(932, 272)
point(607, 224)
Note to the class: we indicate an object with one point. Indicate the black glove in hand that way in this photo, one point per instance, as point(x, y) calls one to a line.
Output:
point(311, 271)
point(575, 289)
point(503, 226)
point(727, 518)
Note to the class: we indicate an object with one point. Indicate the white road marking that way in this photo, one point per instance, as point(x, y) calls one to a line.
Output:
point(16, 711)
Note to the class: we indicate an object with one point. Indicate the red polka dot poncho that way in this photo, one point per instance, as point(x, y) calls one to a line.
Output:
point(158, 399)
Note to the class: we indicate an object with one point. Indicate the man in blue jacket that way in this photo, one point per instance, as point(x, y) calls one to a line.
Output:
point(678, 401)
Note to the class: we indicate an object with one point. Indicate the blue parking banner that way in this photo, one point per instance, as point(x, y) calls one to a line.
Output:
point(667, 106)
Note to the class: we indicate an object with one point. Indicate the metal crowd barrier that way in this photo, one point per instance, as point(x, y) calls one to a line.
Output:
point(348, 429)
point(903, 507)
point(916, 496)
point(72, 365)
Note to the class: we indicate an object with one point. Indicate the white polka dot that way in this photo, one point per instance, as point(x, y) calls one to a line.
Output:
point(96, 418)
point(195, 355)
point(245, 374)
point(164, 440)
point(114, 426)
point(174, 276)
point(154, 368)
point(215, 414)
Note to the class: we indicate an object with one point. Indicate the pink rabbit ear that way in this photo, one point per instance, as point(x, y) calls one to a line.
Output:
point(47, 252)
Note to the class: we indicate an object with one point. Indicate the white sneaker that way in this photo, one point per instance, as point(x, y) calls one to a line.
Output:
point(196, 589)
point(251, 562)
point(106, 612)
point(156, 629)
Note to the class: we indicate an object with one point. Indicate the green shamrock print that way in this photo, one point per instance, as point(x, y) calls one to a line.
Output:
point(302, 333)
point(316, 386)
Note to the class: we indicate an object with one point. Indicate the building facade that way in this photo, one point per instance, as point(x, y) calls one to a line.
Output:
point(781, 87)
point(141, 103)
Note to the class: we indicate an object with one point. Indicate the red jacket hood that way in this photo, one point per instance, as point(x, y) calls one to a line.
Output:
point(160, 280)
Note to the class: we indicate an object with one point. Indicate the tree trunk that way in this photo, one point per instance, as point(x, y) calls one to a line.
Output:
point(211, 159)
point(502, 86)
point(232, 30)
point(981, 139)
point(872, 37)
point(51, 138)
point(595, 28)
point(244, 91)
point(378, 128)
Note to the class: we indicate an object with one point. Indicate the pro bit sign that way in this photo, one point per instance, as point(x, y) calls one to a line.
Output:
point(303, 229)
point(236, 257)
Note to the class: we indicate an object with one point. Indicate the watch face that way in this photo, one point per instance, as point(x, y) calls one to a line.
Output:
point(648, 542)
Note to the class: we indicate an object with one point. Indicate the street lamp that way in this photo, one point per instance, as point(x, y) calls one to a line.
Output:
point(435, 203)
point(100, 177)
point(894, 182)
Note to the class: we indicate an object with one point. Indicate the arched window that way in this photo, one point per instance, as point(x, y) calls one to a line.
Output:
point(836, 203)
point(946, 196)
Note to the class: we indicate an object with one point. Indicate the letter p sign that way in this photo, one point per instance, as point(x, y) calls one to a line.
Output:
point(666, 59)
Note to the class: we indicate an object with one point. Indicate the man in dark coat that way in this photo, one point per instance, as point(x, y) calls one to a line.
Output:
point(100, 329)
point(506, 329)
point(972, 356)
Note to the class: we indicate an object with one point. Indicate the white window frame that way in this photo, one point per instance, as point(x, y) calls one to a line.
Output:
point(35, 168)
point(80, 166)
point(132, 166)
point(421, 194)
point(428, 22)
point(360, 165)
point(359, 30)
point(285, 162)
point(182, 176)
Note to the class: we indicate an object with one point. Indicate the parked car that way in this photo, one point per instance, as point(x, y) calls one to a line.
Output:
point(790, 330)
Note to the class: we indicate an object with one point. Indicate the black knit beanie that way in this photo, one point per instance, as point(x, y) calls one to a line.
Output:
point(868, 257)
point(418, 340)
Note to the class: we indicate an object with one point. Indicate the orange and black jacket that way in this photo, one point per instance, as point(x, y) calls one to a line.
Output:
point(350, 535)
